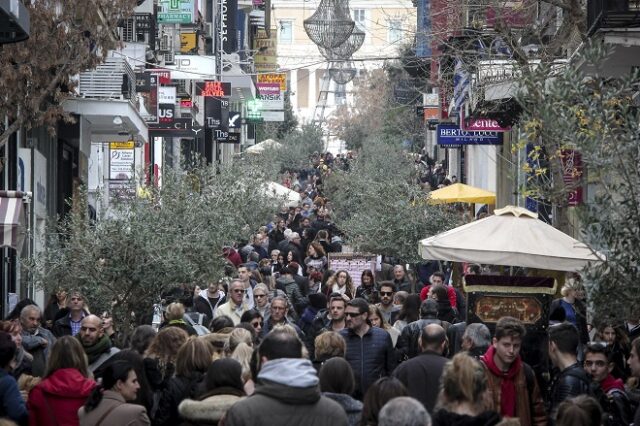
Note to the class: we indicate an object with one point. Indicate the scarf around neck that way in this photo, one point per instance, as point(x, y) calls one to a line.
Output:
point(611, 382)
point(94, 351)
point(507, 383)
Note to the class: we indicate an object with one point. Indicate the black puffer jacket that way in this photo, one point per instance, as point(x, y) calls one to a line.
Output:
point(371, 356)
point(178, 389)
point(572, 381)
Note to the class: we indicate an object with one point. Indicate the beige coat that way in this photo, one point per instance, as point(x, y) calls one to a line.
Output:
point(121, 414)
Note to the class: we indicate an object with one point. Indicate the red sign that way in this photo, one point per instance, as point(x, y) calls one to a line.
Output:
point(481, 124)
point(572, 175)
point(212, 88)
point(186, 103)
point(164, 76)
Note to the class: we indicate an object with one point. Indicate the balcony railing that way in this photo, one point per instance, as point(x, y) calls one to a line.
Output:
point(612, 14)
point(106, 81)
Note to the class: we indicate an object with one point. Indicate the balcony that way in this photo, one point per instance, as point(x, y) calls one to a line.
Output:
point(107, 81)
point(612, 15)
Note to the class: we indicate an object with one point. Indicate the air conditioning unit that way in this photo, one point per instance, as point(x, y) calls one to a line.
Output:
point(208, 29)
point(169, 58)
point(165, 44)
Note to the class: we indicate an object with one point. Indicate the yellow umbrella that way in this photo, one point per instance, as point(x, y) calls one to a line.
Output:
point(461, 193)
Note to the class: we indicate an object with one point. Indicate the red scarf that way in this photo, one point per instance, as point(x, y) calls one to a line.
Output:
point(508, 383)
point(611, 382)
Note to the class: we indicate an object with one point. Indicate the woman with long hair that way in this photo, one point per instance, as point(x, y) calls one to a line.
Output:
point(617, 342)
point(223, 388)
point(192, 361)
point(57, 301)
point(316, 258)
point(338, 383)
point(255, 319)
point(368, 289)
point(23, 360)
point(378, 320)
point(634, 367)
point(341, 282)
point(160, 360)
point(11, 403)
point(240, 347)
point(379, 393)
point(64, 388)
point(409, 312)
point(463, 394)
point(109, 404)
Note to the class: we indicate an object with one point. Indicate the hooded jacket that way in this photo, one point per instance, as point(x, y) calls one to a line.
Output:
point(202, 304)
point(287, 393)
point(57, 399)
point(209, 410)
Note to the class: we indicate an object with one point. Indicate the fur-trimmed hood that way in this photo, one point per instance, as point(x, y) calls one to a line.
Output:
point(208, 411)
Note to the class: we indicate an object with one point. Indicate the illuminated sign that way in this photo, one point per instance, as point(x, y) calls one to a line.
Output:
point(213, 88)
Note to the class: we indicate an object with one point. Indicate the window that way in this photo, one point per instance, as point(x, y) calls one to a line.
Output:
point(395, 31)
point(286, 32)
point(359, 15)
point(340, 94)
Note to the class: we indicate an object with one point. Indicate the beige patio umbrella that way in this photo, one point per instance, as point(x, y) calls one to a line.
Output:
point(513, 236)
point(260, 147)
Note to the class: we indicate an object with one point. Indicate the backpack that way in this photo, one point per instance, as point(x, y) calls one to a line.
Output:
point(197, 326)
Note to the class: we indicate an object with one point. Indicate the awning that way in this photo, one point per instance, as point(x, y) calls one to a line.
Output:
point(260, 147)
point(12, 219)
point(461, 193)
point(100, 113)
point(512, 236)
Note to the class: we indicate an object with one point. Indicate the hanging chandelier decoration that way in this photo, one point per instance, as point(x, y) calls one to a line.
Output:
point(346, 49)
point(330, 25)
point(342, 72)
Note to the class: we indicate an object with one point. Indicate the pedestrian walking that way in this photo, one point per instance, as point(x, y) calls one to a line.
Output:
point(109, 403)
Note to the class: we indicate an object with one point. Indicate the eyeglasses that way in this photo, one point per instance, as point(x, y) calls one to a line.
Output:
point(258, 296)
point(237, 290)
point(353, 314)
point(386, 293)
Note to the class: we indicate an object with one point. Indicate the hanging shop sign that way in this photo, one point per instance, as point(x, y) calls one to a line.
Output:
point(274, 77)
point(271, 96)
point(228, 32)
point(481, 124)
point(175, 11)
point(449, 134)
point(212, 88)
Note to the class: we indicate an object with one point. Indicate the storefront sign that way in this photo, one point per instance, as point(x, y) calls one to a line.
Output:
point(453, 135)
point(280, 78)
point(572, 175)
point(228, 33)
point(271, 96)
point(121, 162)
point(175, 11)
point(212, 88)
point(188, 42)
point(481, 124)
point(166, 113)
point(235, 120)
point(179, 128)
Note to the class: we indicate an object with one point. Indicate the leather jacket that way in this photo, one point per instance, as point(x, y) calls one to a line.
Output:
point(570, 382)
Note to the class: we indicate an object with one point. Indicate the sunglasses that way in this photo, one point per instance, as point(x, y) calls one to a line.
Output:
point(256, 324)
point(386, 293)
point(353, 314)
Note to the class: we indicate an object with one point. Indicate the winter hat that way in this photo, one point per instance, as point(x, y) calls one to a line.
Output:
point(318, 300)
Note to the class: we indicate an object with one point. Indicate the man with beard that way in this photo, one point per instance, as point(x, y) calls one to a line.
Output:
point(386, 305)
point(95, 343)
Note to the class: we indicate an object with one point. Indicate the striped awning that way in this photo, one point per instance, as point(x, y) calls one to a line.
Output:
point(12, 219)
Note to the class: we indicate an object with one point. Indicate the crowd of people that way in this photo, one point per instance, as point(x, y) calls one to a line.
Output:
point(284, 339)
